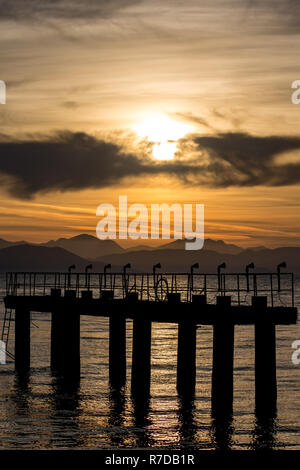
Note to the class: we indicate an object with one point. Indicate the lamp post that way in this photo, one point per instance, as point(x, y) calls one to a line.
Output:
point(89, 266)
point(279, 266)
point(125, 267)
point(155, 267)
point(194, 266)
point(69, 274)
point(71, 267)
point(249, 266)
point(106, 267)
point(221, 266)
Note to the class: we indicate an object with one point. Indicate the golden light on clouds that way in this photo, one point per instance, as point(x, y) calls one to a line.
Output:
point(163, 132)
point(164, 150)
point(100, 69)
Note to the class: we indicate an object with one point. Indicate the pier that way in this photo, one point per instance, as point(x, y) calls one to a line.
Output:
point(223, 300)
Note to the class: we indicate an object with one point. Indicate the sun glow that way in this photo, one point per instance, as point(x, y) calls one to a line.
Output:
point(164, 133)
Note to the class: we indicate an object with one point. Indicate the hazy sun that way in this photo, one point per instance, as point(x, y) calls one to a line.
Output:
point(164, 133)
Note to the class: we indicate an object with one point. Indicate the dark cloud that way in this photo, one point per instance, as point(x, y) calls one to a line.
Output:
point(240, 159)
point(61, 9)
point(286, 13)
point(289, 7)
point(75, 161)
point(66, 161)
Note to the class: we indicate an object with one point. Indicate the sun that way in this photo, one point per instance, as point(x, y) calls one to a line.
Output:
point(164, 133)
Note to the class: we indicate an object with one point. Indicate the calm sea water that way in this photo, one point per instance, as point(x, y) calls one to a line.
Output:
point(40, 412)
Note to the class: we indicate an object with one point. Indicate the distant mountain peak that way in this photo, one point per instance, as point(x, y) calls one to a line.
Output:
point(87, 246)
point(209, 244)
point(83, 236)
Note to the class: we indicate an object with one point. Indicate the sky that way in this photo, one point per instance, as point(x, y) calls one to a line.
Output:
point(163, 101)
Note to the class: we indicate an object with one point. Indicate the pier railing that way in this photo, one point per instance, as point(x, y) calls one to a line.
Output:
point(278, 288)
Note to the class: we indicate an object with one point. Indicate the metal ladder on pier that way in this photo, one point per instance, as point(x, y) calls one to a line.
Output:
point(8, 315)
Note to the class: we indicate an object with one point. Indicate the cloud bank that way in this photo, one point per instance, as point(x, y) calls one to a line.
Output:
point(287, 12)
point(69, 161)
point(61, 9)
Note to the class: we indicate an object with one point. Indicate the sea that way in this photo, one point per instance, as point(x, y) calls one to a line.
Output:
point(40, 411)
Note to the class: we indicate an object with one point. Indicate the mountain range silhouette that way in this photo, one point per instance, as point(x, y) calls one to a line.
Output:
point(57, 255)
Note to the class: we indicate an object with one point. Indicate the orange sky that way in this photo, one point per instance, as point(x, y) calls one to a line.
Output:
point(214, 69)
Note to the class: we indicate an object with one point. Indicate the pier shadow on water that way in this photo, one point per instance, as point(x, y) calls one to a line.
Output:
point(116, 418)
point(67, 409)
point(142, 421)
point(66, 412)
point(222, 430)
point(264, 435)
point(187, 426)
point(122, 435)
point(21, 393)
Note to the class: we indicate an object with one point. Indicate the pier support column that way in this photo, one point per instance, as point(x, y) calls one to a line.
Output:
point(265, 359)
point(186, 353)
point(65, 343)
point(141, 358)
point(223, 357)
point(186, 357)
point(22, 339)
point(117, 350)
point(56, 341)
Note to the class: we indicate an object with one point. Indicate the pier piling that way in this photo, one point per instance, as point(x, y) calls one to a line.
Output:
point(186, 357)
point(186, 352)
point(265, 359)
point(223, 357)
point(22, 339)
point(65, 343)
point(117, 350)
point(141, 357)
